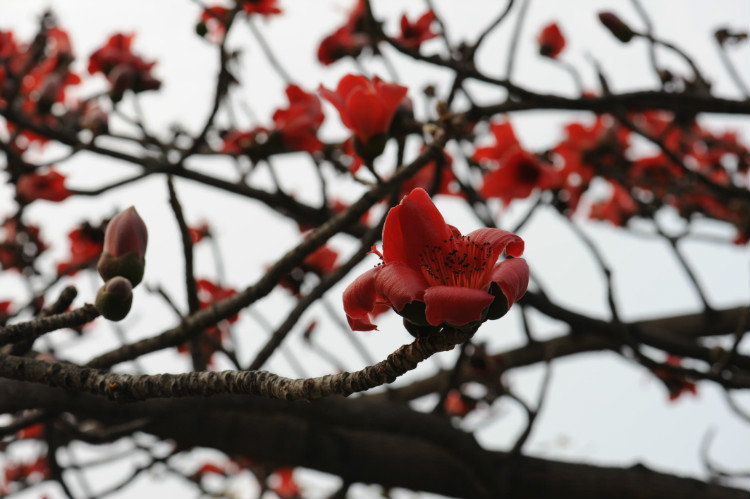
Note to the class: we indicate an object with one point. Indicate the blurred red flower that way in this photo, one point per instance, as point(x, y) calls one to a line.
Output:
point(413, 34)
point(551, 41)
point(49, 186)
point(366, 107)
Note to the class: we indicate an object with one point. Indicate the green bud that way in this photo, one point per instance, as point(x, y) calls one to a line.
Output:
point(114, 299)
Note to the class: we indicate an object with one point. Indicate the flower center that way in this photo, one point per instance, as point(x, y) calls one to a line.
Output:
point(459, 261)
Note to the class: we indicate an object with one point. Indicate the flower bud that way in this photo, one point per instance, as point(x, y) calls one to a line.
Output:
point(615, 25)
point(114, 299)
point(124, 247)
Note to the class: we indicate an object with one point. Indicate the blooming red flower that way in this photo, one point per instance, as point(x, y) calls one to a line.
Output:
point(295, 129)
point(123, 69)
point(366, 107)
point(262, 7)
point(86, 243)
point(551, 41)
point(413, 34)
point(432, 275)
point(298, 124)
point(348, 40)
point(518, 172)
point(49, 186)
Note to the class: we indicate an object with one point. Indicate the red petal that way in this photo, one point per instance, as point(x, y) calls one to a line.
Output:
point(501, 240)
point(411, 226)
point(359, 296)
point(391, 95)
point(366, 114)
point(363, 324)
point(513, 278)
point(455, 306)
point(338, 102)
point(400, 284)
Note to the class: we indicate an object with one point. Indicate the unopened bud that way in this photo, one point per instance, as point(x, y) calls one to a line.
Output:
point(114, 299)
point(615, 25)
point(124, 251)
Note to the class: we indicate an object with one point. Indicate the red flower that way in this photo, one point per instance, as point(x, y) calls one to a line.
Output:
point(123, 69)
point(35, 431)
point(208, 293)
point(457, 404)
point(618, 209)
point(236, 142)
point(298, 124)
point(413, 34)
point(262, 7)
point(213, 21)
point(519, 172)
point(675, 382)
point(86, 243)
point(366, 107)
point(551, 41)
point(198, 233)
point(447, 184)
point(295, 129)
point(49, 186)
point(286, 487)
point(348, 40)
point(321, 262)
point(433, 275)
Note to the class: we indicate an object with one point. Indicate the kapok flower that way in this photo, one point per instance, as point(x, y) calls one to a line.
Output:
point(413, 34)
point(49, 186)
point(298, 124)
point(348, 40)
point(262, 7)
point(551, 41)
point(123, 69)
point(433, 276)
point(367, 109)
point(518, 172)
point(86, 244)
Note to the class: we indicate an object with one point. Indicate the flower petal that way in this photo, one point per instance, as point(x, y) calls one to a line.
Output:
point(454, 305)
point(501, 240)
point(360, 298)
point(410, 227)
point(366, 114)
point(400, 284)
point(513, 278)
